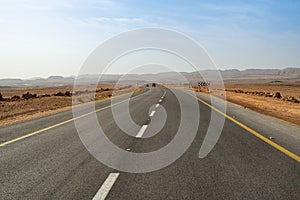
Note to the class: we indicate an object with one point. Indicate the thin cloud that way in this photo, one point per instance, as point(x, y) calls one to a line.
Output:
point(242, 8)
point(118, 20)
point(99, 5)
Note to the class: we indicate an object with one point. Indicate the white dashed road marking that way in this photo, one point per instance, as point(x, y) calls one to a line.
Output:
point(141, 132)
point(111, 179)
point(164, 93)
point(107, 185)
point(152, 113)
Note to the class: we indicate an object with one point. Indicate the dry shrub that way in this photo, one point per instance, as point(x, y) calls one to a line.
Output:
point(1, 97)
point(277, 95)
point(29, 96)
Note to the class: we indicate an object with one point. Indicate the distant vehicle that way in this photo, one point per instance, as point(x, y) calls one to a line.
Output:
point(147, 85)
point(153, 84)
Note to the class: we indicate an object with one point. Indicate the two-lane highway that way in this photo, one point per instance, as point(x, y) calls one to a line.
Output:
point(54, 164)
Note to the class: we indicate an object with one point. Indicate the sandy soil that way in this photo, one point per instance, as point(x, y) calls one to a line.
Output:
point(18, 110)
point(279, 108)
point(285, 88)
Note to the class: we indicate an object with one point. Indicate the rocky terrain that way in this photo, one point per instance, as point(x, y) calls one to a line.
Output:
point(27, 103)
point(277, 99)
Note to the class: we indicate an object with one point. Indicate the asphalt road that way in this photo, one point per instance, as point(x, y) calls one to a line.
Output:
point(54, 163)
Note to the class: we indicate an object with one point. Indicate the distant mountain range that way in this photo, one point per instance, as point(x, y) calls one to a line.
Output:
point(287, 74)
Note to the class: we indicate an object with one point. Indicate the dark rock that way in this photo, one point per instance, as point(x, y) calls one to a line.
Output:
point(28, 96)
point(59, 94)
point(68, 94)
point(277, 95)
point(1, 97)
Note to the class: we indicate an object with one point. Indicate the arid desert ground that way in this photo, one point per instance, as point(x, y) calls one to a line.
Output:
point(279, 99)
point(17, 105)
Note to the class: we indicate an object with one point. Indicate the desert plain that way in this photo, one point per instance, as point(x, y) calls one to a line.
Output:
point(261, 97)
point(18, 105)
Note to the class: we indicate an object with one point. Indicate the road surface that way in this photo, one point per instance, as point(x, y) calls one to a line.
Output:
point(45, 158)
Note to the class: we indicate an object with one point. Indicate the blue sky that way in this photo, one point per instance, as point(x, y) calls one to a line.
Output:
point(43, 38)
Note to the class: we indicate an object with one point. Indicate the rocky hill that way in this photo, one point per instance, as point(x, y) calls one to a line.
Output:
point(287, 74)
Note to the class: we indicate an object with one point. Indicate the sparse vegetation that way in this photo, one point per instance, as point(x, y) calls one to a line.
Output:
point(15, 98)
point(68, 94)
point(59, 94)
point(28, 95)
point(290, 99)
point(23, 104)
point(277, 95)
point(45, 95)
point(1, 97)
point(280, 99)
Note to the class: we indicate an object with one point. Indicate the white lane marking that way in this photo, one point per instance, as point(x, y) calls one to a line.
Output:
point(160, 100)
point(164, 93)
point(141, 132)
point(157, 105)
point(152, 113)
point(107, 185)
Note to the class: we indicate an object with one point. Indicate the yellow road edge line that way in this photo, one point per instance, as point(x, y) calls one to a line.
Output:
point(253, 132)
point(67, 121)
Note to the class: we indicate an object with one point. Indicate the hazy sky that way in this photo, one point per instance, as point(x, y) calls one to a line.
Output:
point(43, 38)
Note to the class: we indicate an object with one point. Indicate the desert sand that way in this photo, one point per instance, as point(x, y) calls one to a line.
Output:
point(261, 97)
point(19, 105)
